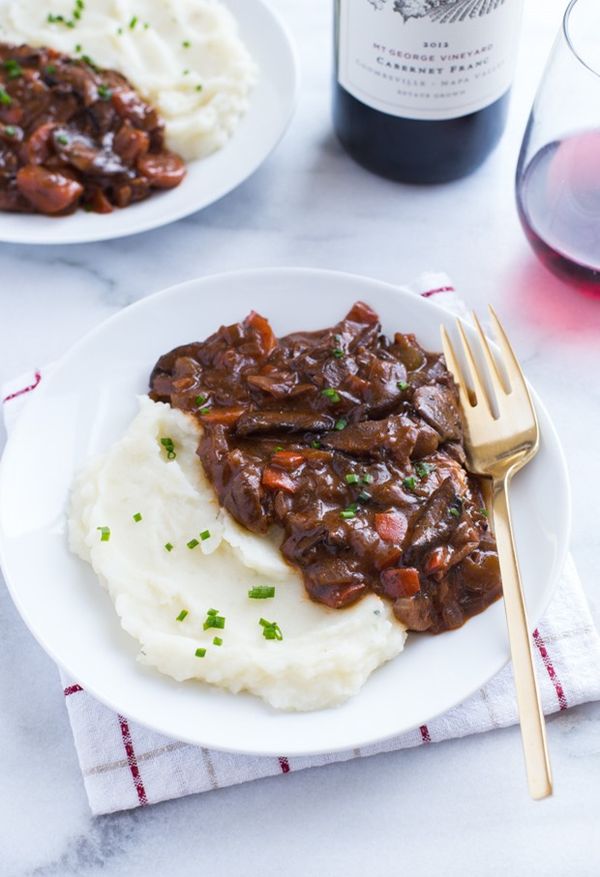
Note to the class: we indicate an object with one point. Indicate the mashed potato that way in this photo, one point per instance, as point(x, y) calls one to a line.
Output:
point(184, 56)
point(325, 655)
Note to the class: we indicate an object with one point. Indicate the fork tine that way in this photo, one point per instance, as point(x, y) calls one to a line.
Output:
point(511, 363)
point(455, 369)
point(481, 395)
point(498, 381)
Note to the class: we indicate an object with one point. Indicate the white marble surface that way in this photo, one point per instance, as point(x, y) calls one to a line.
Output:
point(454, 808)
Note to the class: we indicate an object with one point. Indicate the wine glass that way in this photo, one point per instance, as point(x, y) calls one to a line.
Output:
point(558, 173)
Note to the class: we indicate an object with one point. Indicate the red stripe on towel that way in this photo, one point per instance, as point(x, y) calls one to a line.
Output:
point(23, 390)
point(429, 292)
point(425, 736)
point(284, 764)
point(132, 761)
point(72, 689)
point(560, 692)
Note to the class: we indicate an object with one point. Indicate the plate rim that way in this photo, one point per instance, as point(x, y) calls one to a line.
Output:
point(293, 750)
point(44, 239)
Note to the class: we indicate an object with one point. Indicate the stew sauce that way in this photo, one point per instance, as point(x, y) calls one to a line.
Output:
point(72, 135)
point(352, 443)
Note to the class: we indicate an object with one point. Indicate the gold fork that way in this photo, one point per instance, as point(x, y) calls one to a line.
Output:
point(498, 445)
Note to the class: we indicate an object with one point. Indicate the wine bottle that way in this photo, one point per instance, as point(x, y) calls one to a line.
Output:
point(421, 87)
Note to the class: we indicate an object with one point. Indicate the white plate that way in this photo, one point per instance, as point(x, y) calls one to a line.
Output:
point(272, 104)
point(86, 403)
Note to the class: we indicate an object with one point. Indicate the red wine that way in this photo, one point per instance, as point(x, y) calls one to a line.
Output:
point(558, 197)
point(421, 87)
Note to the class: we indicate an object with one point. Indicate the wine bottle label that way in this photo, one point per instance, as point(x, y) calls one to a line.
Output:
point(427, 59)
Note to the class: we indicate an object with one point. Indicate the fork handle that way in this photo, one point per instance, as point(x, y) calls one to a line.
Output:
point(533, 727)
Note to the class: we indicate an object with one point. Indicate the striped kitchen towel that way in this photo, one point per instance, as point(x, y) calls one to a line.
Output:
point(125, 765)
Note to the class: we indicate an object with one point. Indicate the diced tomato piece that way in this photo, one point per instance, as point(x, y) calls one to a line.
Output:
point(275, 479)
point(403, 582)
point(391, 526)
point(362, 313)
point(289, 460)
point(225, 416)
point(263, 328)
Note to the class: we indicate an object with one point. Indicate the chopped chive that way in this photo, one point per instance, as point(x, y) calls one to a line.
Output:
point(410, 483)
point(424, 469)
point(315, 444)
point(104, 92)
point(332, 394)
point(198, 88)
point(168, 547)
point(204, 535)
point(204, 410)
point(10, 130)
point(337, 352)
point(5, 97)
point(186, 44)
point(137, 517)
point(146, 25)
point(199, 653)
point(169, 447)
point(50, 69)
point(261, 592)
point(62, 139)
point(192, 543)
point(182, 615)
point(13, 68)
point(217, 641)
point(186, 71)
point(119, 30)
point(341, 424)
point(484, 512)
point(87, 60)
point(454, 512)
point(368, 478)
point(214, 620)
point(200, 400)
point(133, 22)
point(78, 48)
point(347, 514)
point(351, 478)
point(402, 385)
point(279, 448)
point(271, 629)
point(104, 533)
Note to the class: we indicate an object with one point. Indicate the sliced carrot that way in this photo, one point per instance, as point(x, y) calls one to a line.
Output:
point(225, 416)
point(289, 460)
point(402, 582)
point(263, 328)
point(436, 560)
point(362, 313)
point(274, 479)
point(391, 526)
